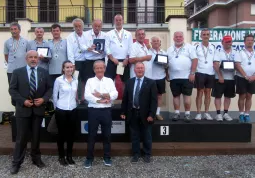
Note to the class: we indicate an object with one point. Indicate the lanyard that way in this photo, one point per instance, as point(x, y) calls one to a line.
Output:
point(56, 45)
point(205, 54)
point(118, 37)
point(228, 56)
point(15, 47)
point(144, 49)
point(79, 46)
point(177, 52)
point(36, 43)
point(249, 56)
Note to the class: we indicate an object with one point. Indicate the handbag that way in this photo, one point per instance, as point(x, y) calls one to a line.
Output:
point(52, 127)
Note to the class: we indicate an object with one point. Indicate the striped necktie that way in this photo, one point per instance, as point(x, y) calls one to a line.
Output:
point(32, 84)
point(137, 90)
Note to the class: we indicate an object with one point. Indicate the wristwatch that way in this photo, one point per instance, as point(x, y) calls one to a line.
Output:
point(192, 73)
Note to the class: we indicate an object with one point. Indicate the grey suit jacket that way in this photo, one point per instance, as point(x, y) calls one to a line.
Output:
point(19, 91)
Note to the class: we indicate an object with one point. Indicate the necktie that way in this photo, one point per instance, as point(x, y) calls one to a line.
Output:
point(137, 90)
point(32, 84)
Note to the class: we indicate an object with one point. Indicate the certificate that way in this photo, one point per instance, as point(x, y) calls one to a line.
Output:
point(161, 59)
point(99, 43)
point(120, 68)
point(76, 74)
point(227, 65)
point(43, 51)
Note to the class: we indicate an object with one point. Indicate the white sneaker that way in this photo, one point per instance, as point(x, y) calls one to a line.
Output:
point(198, 117)
point(208, 117)
point(219, 117)
point(227, 117)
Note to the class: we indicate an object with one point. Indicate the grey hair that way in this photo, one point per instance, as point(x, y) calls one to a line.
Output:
point(155, 37)
point(16, 24)
point(178, 32)
point(139, 63)
point(98, 62)
point(139, 29)
point(30, 52)
point(118, 15)
point(39, 28)
point(78, 20)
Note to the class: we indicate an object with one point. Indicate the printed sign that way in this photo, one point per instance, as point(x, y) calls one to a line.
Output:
point(164, 130)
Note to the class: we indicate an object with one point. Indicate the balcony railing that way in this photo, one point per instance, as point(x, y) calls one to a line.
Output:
point(137, 15)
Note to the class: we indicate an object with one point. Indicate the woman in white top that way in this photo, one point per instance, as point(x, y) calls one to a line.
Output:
point(64, 98)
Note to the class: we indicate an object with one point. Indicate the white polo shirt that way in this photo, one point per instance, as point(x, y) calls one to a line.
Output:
point(180, 61)
point(157, 70)
point(118, 44)
point(242, 57)
point(205, 58)
point(222, 55)
point(138, 50)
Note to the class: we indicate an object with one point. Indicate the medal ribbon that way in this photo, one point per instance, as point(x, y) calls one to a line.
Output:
point(205, 54)
point(177, 52)
point(228, 56)
point(15, 47)
point(118, 37)
point(249, 56)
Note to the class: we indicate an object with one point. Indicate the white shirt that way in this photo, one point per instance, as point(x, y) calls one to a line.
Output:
point(138, 50)
point(180, 67)
point(157, 70)
point(222, 55)
point(205, 64)
point(118, 45)
point(64, 93)
point(90, 36)
point(105, 85)
point(76, 47)
point(244, 60)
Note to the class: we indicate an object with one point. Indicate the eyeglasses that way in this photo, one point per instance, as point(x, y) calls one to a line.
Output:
point(206, 34)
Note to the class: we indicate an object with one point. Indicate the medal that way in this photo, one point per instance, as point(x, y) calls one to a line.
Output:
point(14, 56)
point(56, 56)
point(249, 56)
point(206, 62)
point(249, 63)
point(176, 56)
point(205, 54)
point(120, 45)
point(177, 52)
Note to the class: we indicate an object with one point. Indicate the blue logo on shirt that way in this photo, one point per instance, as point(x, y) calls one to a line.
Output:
point(86, 127)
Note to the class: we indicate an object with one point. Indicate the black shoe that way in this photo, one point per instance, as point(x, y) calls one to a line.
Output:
point(135, 159)
point(62, 161)
point(70, 160)
point(147, 159)
point(176, 117)
point(14, 169)
point(39, 163)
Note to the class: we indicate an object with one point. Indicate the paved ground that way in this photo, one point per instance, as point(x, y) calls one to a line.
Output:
point(184, 167)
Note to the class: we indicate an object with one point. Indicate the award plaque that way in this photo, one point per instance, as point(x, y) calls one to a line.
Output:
point(99, 43)
point(161, 59)
point(227, 65)
point(42, 51)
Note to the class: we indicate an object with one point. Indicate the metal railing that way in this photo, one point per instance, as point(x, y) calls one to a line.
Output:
point(137, 15)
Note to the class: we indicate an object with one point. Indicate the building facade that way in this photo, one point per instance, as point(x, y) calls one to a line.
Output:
point(221, 13)
point(133, 11)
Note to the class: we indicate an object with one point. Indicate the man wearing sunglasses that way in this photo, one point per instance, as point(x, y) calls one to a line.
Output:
point(204, 78)
point(223, 64)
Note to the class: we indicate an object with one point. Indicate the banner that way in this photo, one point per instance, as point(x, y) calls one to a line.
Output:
point(118, 127)
point(217, 35)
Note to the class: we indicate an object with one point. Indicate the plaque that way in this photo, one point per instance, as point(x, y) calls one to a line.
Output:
point(161, 59)
point(227, 65)
point(42, 51)
point(99, 43)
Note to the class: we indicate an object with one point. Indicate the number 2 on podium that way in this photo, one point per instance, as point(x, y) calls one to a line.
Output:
point(164, 130)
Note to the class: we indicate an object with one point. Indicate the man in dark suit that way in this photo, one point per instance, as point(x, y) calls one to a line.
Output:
point(139, 105)
point(30, 87)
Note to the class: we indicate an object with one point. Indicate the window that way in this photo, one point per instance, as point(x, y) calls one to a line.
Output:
point(252, 9)
point(15, 9)
point(48, 11)
point(112, 7)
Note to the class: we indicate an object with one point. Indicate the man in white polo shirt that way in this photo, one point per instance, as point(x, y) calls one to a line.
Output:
point(118, 44)
point(245, 79)
point(182, 67)
point(204, 79)
point(159, 72)
point(140, 53)
point(224, 77)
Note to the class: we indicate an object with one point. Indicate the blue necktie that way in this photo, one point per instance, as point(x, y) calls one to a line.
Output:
point(137, 90)
point(32, 84)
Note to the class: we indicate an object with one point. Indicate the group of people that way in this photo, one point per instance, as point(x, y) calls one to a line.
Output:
point(34, 79)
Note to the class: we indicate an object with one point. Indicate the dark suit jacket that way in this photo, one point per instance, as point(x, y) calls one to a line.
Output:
point(19, 91)
point(147, 99)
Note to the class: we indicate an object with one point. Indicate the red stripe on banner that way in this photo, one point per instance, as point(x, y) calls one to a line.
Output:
point(119, 86)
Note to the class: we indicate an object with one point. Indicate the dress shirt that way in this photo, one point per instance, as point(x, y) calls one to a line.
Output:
point(119, 49)
point(105, 85)
point(90, 36)
point(64, 93)
point(136, 81)
point(29, 70)
point(75, 53)
point(138, 50)
point(16, 51)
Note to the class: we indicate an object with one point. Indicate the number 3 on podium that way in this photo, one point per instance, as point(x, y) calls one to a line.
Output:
point(164, 130)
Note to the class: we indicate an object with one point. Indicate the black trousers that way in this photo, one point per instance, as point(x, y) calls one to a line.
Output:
point(66, 124)
point(96, 117)
point(140, 132)
point(9, 76)
point(27, 127)
point(111, 71)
